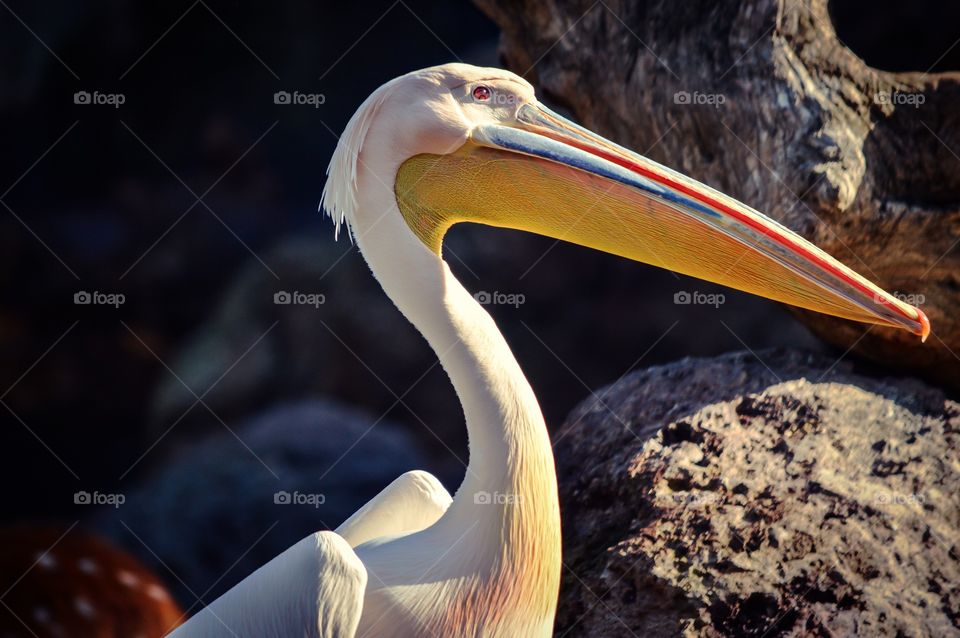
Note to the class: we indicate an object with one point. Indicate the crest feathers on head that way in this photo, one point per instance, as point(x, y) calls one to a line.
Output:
point(339, 199)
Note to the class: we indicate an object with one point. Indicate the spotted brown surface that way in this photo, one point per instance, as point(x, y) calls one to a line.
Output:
point(64, 583)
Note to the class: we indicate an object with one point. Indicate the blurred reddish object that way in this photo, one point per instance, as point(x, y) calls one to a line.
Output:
point(68, 584)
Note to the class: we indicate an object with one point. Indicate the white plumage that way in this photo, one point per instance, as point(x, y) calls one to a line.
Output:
point(434, 566)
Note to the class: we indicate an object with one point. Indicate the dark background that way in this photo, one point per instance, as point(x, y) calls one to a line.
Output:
point(93, 201)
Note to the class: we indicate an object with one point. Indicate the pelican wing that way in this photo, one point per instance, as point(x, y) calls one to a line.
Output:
point(313, 589)
point(412, 502)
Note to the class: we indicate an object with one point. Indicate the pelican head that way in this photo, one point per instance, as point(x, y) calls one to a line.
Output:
point(471, 144)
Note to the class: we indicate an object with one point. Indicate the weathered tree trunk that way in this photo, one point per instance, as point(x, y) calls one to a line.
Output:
point(760, 99)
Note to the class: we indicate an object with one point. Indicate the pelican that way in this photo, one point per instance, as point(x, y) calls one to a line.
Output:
point(458, 143)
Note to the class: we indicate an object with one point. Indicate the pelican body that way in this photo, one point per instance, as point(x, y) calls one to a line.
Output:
point(458, 143)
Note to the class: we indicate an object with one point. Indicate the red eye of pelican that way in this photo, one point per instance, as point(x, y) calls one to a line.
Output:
point(482, 93)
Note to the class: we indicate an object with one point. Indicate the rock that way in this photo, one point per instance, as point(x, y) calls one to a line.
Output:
point(762, 100)
point(768, 495)
point(221, 508)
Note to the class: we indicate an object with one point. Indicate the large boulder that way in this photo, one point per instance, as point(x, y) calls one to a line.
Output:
point(761, 495)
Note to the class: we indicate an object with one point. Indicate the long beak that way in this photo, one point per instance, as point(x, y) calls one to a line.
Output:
point(550, 176)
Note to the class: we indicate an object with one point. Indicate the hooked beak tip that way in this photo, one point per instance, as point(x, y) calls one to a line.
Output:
point(924, 326)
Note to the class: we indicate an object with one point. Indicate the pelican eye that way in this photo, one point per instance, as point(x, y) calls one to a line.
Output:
point(482, 93)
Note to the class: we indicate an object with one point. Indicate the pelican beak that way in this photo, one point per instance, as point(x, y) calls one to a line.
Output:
point(547, 175)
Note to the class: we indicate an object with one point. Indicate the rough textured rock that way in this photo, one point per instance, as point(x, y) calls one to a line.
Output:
point(210, 516)
point(760, 99)
point(780, 494)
